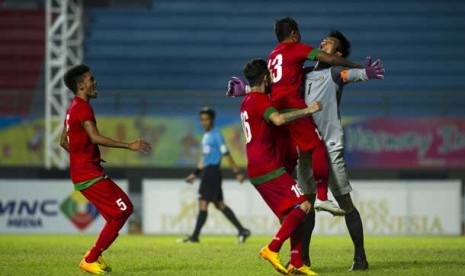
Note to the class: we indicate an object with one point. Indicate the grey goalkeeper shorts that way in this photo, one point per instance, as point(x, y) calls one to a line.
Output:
point(338, 179)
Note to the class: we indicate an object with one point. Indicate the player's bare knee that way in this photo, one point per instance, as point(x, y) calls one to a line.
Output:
point(305, 206)
point(203, 205)
point(220, 205)
point(311, 199)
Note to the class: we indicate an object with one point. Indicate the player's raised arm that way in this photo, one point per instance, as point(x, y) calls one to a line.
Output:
point(237, 87)
point(284, 118)
point(98, 139)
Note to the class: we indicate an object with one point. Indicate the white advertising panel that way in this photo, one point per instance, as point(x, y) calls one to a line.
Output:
point(47, 206)
point(386, 207)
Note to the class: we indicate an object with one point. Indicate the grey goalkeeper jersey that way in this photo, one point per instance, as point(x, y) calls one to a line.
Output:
point(326, 86)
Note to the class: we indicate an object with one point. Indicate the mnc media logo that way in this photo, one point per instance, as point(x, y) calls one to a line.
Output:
point(78, 210)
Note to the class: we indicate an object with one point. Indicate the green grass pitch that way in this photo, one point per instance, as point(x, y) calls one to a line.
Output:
point(220, 255)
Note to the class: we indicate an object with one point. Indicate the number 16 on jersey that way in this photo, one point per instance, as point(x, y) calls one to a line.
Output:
point(246, 126)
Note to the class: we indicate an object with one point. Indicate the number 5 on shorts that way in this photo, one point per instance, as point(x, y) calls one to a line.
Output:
point(122, 206)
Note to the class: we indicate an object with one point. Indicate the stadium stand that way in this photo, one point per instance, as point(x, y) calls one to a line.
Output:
point(21, 58)
point(197, 45)
point(176, 48)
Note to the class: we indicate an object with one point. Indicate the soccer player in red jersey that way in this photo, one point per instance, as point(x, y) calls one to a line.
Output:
point(265, 169)
point(286, 62)
point(81, 138)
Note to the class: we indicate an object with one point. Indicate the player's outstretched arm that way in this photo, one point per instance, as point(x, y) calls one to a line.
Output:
point(281, 119)
point(140, 145)
point(98, 139)
point(64, 140)
point(336, 60)
point(372, 70)
point(239, 176)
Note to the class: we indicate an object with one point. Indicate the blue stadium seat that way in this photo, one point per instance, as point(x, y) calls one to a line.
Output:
point(197, 45)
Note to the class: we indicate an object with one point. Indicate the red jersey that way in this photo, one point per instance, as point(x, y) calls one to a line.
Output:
point(286, 62)
point(83, 154)
point(262, 155)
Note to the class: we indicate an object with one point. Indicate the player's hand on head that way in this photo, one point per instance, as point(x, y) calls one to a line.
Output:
point(140, 145)
point(315, 106)
point(374, 70)
point(236, 87)
point(190, 178)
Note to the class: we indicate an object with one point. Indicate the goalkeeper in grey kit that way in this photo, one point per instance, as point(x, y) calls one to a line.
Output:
point(325, 83)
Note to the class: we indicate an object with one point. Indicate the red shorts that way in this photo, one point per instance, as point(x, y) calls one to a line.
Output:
point(109, 199)
point(303, 131)
point(281, 194)
point(286, 148)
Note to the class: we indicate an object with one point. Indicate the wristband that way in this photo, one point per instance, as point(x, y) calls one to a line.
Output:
point(197, 172)
point(356, 75)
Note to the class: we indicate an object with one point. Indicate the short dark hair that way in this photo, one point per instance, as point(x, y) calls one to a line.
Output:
point(209, 111)
point(344, 43)
point(74, 75)
point(255, 70)
point(283, 28)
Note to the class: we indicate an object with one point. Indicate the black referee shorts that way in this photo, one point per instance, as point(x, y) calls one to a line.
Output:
point(210, 184)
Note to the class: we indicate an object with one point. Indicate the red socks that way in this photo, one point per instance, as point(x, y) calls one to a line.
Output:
point(107, 236)
point(291, 222)
point(320, 170)
point(296, 247)
point(322, 191)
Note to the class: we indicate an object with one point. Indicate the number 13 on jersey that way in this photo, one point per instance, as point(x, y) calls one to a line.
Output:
point(246, 126)
point(276, 68)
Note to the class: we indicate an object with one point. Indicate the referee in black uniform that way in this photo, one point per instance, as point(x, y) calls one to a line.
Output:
point(213, 150)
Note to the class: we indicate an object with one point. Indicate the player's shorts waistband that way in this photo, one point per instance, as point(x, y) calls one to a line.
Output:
point(211, 166)
point(267, 177)
point(86, 184)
